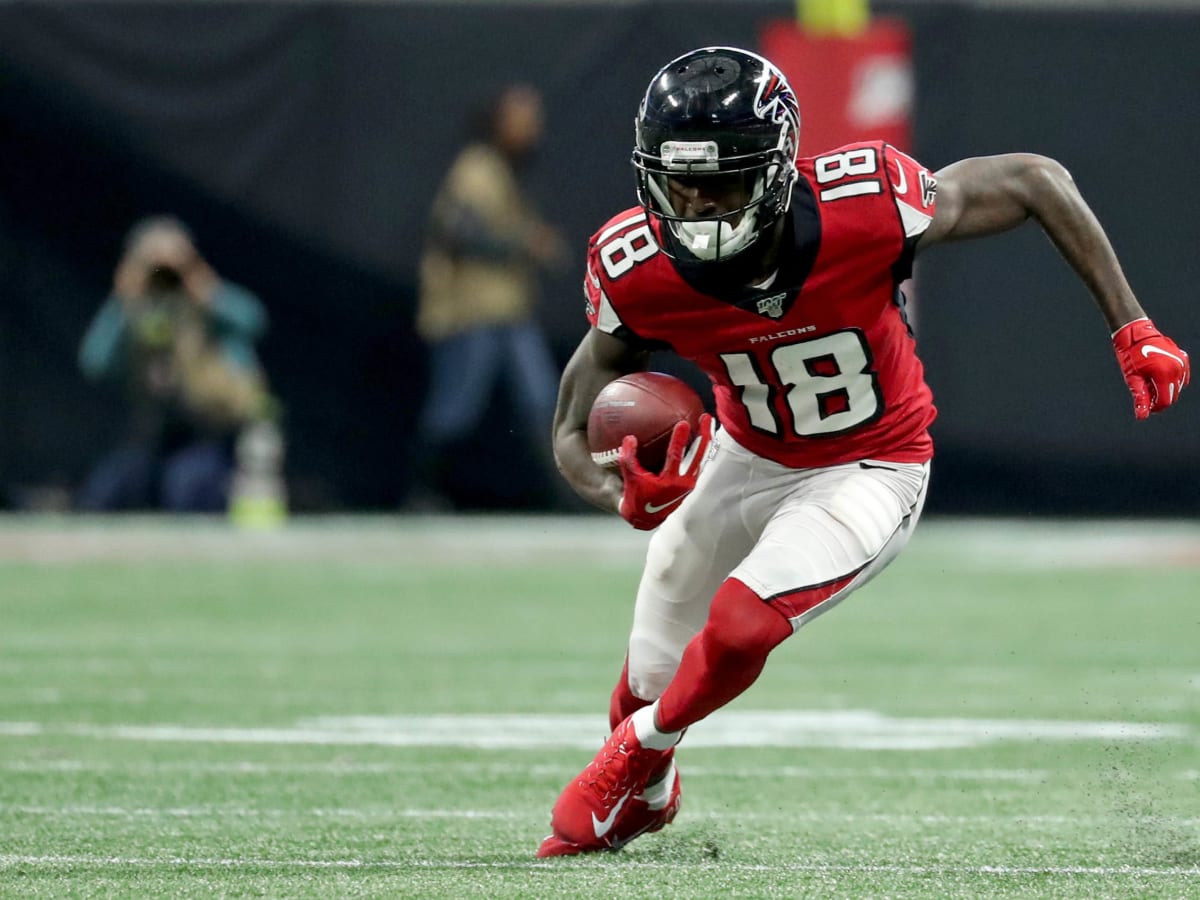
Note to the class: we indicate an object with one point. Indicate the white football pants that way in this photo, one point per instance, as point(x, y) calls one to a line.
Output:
point(802, 539)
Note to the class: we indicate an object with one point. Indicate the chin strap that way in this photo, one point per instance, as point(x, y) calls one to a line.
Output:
point(710, 240)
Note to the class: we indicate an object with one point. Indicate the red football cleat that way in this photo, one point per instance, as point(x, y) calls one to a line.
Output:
point(553, 846)
point(586, 815)
point(636, 819)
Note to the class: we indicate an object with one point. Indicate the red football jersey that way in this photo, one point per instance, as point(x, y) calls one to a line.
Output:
point(818, 367)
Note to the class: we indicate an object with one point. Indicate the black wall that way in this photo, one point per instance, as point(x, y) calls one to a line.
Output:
point(303, 143)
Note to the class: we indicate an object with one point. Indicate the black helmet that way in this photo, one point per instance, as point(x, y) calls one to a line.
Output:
point(717, 112)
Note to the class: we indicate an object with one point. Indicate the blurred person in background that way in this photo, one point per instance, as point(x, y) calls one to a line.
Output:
point(478, 286)
point(183, 340)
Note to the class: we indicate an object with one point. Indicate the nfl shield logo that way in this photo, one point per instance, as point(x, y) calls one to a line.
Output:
point(772, 306)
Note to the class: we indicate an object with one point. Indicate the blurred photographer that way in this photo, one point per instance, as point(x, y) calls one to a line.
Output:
point(182, 339)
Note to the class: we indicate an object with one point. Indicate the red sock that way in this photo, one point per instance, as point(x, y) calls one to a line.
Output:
point(725, 658)
point(624, 703)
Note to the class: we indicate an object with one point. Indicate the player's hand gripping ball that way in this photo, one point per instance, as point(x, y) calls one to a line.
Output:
point(646, 405)
point(654, 429)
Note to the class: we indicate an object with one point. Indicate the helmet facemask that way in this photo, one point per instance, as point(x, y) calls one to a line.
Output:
point(723, 120)
point(766, 181)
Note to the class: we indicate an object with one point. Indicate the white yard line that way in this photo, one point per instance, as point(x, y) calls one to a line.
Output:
point(972, 544)
point(470, 540)
point(603, 863)
point(251, 812)
point(355, 769)
point(840, 729)
point(388, 814)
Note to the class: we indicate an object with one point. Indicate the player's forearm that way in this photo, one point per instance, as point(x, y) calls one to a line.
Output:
point(1055, 202)
point(580, 384)
point(597, 360)
point(991, 194)
point(600, 487)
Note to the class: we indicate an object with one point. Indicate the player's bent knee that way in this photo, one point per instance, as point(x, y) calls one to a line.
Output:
point(650, 669)
point(650, 686)
point(669, 560)
point(742, 623)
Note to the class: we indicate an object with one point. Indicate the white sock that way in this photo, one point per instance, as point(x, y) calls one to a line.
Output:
point(658, 795)
point(648, 735)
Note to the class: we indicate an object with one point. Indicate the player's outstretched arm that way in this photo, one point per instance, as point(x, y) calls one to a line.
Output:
point(990, 194)
point(987, 195)
point(599, 359)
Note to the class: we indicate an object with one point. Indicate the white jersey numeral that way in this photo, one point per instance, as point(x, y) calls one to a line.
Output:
point(852, 164)
point(828, 382)
point(626, 250)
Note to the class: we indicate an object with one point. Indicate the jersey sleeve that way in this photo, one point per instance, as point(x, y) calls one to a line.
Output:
point(594, 297)
point(913, 188)
point(601, 313)
point(622, 280)
point(888, 193)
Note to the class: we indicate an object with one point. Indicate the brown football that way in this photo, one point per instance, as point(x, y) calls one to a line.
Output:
point(647, 405)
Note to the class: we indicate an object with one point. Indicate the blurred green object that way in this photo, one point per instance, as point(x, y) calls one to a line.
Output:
point(257, 513)
point(833, 18)
point(258, 494)
point(154, 325)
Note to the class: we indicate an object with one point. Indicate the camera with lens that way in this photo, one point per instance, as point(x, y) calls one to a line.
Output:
point(163, 280)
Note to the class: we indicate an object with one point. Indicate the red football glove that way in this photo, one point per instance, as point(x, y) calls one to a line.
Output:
point(1154, 367)
point(648, 497)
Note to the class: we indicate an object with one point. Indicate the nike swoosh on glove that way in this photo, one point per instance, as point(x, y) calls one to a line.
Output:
point(1154, 367)
point(649, 497)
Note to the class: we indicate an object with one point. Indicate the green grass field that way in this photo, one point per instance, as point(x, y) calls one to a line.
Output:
point(390, 707)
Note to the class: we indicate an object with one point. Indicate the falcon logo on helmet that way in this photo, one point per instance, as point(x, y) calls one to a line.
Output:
point(775, 100)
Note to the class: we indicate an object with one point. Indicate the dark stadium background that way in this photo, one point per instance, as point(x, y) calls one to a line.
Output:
point(303, 141)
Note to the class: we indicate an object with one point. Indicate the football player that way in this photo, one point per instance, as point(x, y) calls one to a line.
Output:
point(779, 277)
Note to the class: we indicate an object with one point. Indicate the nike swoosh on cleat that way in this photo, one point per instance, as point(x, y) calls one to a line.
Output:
point(602, 826)
point(1147, 350)
point(652, 508)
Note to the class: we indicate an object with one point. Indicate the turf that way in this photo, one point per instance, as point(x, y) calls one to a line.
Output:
point(186, 711)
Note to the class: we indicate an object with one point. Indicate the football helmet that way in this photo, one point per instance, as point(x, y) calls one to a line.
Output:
point(723, 120)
